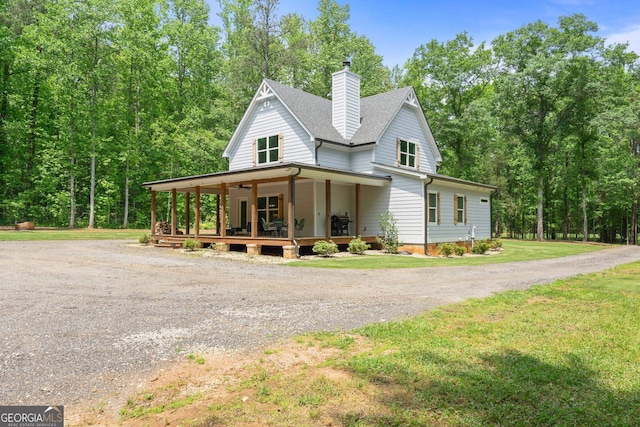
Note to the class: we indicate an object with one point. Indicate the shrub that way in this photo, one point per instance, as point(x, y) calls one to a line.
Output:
point(191, 244)
point(145, 239)
point(446, 249)
point(357, 246)
point(495, 244)
point(480, 248)
point(389, 241)
point(324, 248)
point(460, 250)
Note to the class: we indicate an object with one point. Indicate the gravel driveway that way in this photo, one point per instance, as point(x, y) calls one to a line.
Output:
point(80, 320)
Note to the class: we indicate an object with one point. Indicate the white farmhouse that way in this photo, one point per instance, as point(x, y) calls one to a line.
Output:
point(303, 168)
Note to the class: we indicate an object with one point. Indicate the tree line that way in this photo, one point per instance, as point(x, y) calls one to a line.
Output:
point(98, 96)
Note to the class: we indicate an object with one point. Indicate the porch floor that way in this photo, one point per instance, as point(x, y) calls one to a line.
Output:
point(175, 241)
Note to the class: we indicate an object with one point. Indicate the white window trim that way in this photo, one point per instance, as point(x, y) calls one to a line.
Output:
point(435, 208)
point(268, 150)
point(457, 210)
point(416, 155)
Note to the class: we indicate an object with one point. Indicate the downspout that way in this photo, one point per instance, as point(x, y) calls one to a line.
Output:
point(316, 153)
point(426, 208)
point(293, 204)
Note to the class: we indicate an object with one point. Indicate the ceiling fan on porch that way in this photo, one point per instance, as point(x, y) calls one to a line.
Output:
point(242, 187)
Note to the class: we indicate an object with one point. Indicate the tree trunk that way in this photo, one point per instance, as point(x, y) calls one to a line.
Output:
point(635, 149)
point(33, 125)
point(540, 227)
point(634, 222)
point(565, 209)
point(585, 218)
point(125, 221)
point(4, 107)
point(72, 192)
point(94, 97)
point(92, 190)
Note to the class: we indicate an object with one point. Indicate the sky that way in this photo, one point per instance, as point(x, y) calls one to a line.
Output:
point(397, 28)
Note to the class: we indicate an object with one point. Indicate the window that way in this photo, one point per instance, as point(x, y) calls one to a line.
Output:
point(460, 209)
point(434, 207)
point(407, 153)
point(268, 208)
point(268, 149)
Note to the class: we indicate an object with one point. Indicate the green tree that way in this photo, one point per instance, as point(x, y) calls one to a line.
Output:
point(532, 86)
point(619, 160)
point(453, 82)
point(332, 41)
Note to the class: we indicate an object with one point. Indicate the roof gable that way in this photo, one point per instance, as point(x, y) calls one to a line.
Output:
point(314, 114)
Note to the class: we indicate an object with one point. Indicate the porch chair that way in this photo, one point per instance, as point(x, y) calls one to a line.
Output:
point(299, 224)
point(267, 229)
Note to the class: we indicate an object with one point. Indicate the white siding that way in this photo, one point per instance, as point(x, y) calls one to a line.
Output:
point(361, 160)
point(403, 198)
point(320, 209)
point(330, 156)
point(343, 199)
point(305, 206)
point(405, 126)
point(345, 101)
point(478, 215)
point(272, 118)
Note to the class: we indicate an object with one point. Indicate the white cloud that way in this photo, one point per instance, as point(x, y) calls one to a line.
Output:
point(629, 35)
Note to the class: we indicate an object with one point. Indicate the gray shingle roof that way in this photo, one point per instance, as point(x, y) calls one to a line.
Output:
point(314, 113)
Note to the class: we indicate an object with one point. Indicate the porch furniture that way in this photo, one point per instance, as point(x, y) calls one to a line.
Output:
point(339, 225)
point(278, 224)
point(269, 229)
point(299, 224)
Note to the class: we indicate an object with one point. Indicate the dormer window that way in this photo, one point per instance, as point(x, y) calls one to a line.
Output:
point(268, 149)
point(408, 153)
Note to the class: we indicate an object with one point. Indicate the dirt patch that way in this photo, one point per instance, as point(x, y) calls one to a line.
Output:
point(204, 380)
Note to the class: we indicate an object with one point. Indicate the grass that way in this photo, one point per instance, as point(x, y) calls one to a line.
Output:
point(513, 250)
point(561, 354)
point(139, 408)
point(71, 234)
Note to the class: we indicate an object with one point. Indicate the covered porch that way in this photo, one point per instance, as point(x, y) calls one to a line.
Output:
point(286, 206)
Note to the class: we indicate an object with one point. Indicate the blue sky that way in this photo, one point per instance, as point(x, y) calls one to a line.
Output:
point(397, 28)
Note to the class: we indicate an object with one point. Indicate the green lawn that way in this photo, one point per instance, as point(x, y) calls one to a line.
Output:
point(71, 234)
point(513, 250)
point(563, 354)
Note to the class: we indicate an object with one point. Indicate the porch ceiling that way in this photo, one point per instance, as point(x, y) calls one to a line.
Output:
point(211, 183)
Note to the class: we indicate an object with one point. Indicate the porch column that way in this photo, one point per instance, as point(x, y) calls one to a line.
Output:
point(187, 211)
point(174, 213)
point(327, 191)
point(196, 223)
point(218, 214)
point(357, 210)
point(153, 212)
point(291, 224)
point(254, 209)
point(223, 211)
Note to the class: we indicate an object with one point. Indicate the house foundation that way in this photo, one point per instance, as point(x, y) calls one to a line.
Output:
point(254, 249)
point(289, 252)
point(222, 247)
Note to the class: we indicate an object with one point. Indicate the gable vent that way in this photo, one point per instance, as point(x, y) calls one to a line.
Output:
point(345, 100)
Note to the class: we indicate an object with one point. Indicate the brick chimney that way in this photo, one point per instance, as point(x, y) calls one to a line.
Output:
point(345, 100)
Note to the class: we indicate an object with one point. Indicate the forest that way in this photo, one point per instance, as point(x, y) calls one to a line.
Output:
point(99, 96)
